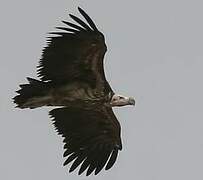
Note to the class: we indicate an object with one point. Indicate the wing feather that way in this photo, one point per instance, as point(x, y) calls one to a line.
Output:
point(70, 158)
point(102, 161)
point(88, 19)
point(79, 21)
point(74, 26)
point(92, 137)
point(77, 161)
point(112, 159)
point(75, 55)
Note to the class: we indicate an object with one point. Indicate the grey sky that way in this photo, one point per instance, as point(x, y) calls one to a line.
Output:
point(155, 53)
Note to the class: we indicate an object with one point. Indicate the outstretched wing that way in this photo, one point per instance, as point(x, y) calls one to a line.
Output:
point(91, 137)
point(76, 53)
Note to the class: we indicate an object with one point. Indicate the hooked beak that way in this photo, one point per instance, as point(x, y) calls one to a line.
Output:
point(131, 101)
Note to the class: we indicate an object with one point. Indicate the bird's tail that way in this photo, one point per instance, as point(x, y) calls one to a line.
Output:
point(32, 95)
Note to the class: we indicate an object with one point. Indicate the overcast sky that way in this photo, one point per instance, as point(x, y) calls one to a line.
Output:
point(155, 53)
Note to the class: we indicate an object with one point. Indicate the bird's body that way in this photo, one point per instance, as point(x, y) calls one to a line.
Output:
point(75, 94)
point(72, 77)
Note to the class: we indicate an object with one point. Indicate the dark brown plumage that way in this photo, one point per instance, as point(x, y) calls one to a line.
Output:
point(90, 137)
point(77, 53)
point(72, 75)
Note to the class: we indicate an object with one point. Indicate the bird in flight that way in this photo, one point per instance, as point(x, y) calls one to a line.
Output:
point(72, 77)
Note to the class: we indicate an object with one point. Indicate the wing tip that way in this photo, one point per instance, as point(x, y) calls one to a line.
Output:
point(80, 9)
point(88, 19)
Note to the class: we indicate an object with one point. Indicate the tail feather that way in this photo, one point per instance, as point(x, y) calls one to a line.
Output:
point(32, 95)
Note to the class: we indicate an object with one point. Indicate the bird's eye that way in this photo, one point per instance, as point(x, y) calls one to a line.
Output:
point(115, 99)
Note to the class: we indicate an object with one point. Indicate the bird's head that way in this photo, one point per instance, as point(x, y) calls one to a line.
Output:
point(119, 100)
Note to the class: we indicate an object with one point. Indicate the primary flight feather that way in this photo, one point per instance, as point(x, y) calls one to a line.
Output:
point(72, 75)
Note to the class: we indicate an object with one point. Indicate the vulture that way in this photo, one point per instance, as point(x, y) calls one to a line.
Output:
point(72, 79)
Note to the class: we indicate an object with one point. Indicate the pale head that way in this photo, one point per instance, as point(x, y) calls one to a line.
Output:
point(119, 100)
